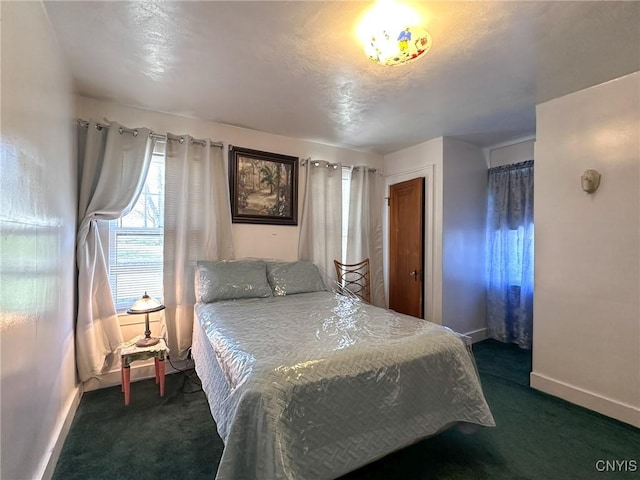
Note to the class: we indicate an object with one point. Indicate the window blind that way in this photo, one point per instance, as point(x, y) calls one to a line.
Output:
point(136, 241)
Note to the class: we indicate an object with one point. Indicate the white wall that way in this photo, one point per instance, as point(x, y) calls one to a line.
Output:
point(266, 241)
point(586, 345)
point(464, 191)
point(37, 223)
point(521, 151)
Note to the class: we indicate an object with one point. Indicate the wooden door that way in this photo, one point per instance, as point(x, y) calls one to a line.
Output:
point(406, 247)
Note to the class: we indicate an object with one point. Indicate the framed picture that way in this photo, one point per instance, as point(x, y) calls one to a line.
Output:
point(263, 187)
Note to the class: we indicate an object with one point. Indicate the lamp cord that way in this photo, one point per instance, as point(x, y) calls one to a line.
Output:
point(188, 373)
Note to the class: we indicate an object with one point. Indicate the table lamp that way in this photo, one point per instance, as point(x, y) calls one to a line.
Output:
point(146, 305)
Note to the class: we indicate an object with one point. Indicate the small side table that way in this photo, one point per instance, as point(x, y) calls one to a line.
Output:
point(130, 353)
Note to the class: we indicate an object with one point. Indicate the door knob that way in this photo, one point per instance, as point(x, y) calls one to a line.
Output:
point(414, 274)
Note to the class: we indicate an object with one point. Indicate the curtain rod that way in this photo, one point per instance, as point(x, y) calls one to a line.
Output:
point(325, 163)
point(511, 166)
point(368, 169)
point(319, 163)
point(158, 136)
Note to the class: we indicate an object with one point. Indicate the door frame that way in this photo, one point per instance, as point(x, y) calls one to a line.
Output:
point(432, 306)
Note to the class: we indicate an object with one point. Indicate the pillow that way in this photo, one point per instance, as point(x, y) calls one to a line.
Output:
point(229, 280)
point(289, 278)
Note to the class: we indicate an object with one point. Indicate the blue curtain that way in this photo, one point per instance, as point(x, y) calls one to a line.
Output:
point(510, 254)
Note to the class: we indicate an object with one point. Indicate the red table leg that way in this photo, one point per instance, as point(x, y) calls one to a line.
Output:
point(127, 386)
point(161, 364)
point(157, 370)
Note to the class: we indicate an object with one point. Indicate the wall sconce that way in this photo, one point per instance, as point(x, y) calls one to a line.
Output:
point(590, 181)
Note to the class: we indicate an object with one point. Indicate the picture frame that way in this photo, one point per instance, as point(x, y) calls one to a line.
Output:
point(263, 187)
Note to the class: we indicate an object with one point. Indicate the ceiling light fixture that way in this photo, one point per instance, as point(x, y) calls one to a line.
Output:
point(391, 33)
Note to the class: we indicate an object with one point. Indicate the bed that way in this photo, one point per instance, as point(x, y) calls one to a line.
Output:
point(305, 383)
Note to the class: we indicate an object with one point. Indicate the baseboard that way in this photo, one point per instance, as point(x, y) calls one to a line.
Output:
point(48, 464)
point(611, 408)
point(139, 371)
point(477, 335)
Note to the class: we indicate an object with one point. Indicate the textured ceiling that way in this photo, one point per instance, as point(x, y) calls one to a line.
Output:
point(295, 68)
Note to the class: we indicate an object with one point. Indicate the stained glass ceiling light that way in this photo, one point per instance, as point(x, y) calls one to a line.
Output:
point(391, 33)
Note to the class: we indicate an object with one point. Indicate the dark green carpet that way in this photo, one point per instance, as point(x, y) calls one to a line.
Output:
point(537, 436)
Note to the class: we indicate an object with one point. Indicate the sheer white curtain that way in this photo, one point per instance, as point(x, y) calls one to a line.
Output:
point(113, 164)
point(197, 226)
point(364, 233)
point(321, 226)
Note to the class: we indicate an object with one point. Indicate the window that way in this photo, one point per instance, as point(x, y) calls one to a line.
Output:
point(346, 190)
point(136, 241)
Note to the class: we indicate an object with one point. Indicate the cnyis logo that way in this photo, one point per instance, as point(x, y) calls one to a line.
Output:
point(617, 466)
